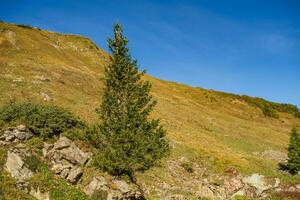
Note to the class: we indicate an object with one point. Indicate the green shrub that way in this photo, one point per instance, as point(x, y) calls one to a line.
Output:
point(25, 26)
point(42, 120)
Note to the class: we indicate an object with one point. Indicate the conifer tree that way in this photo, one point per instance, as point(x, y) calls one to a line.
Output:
point(293, 164)
point(133, 140)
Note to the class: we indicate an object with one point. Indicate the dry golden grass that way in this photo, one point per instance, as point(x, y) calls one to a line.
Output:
point(199, 122)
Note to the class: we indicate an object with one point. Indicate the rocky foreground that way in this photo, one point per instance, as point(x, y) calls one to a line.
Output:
point(67, 161)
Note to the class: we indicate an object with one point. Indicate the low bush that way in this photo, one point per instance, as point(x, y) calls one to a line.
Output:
point(42, 120)
point(25, 26)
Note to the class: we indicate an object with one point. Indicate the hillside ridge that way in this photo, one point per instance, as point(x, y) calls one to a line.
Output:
point(216, 129)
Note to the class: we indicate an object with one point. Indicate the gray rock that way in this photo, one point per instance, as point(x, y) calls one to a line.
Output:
point(97, 183)
point(16, 167)
point(74, 174)
point(15, 134)
point(261, 184)
point(70, 151)
point(66, 159)
point(122, 186)
point(116, 189)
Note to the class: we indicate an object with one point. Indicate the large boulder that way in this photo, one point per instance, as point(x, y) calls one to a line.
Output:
point(115, 189)
point(15, 134)
point(66, 159)
point(15, 163)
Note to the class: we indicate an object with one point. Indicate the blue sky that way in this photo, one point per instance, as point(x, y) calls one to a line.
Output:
point(247, 47)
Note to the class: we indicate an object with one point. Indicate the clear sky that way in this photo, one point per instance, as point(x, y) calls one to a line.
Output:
point(241, 46)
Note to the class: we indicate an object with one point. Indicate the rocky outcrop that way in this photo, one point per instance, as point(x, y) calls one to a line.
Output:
point(15, 134)
point(66, 159)
point(15, 162)
point(115, 189)
point(261, 184)
point(233, 184)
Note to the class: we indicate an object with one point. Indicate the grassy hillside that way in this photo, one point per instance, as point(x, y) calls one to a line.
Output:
point(206, 127)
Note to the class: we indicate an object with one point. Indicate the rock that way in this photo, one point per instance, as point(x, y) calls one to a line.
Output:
point(15, 134)
point(97, 183)
point(261, 184)
point(116, 189)
point(39, 195)
point(232, 182)
point(70, 151)
point(122, 186)
point(74, 174)
point(66, 159)
point(15, 164)
point(206, 192)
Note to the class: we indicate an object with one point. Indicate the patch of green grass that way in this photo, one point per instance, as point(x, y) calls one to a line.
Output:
point(58, 188)
point(8, 189)
point(34, 163)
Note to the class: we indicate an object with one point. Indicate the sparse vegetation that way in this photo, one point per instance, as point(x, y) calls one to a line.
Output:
point(99, 195)
point(43, 120)
point(33, 163)
point(134, 142)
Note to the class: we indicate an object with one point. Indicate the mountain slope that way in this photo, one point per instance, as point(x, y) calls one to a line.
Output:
point(210, 128)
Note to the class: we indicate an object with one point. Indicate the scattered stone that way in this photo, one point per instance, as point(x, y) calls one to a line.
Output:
point(116, 189)
point(15, 134)
point(46, 97)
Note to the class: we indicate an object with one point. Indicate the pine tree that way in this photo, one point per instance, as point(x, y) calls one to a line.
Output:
point(134, 142)
point(293, 164)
